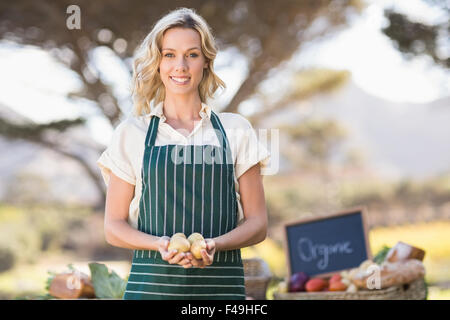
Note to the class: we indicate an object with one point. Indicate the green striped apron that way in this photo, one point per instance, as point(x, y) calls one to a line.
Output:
point(187, 188)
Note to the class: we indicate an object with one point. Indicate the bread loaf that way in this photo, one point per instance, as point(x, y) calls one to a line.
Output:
point(392, 273)
point(403, 251)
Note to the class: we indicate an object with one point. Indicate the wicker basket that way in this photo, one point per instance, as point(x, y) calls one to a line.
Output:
point(257, 277)
point(415, 290)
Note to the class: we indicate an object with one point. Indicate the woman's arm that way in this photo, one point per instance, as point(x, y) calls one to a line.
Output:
point(120, 234)
point(117, 230)
point(254, 228)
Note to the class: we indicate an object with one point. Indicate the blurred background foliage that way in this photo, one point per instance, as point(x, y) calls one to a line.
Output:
point(39, 232)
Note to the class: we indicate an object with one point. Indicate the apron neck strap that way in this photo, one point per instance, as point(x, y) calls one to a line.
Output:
point(152, 131)
point(218, 129)
point(222, 136)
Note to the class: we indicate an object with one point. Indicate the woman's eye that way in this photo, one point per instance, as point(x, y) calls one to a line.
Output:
point(194, 55)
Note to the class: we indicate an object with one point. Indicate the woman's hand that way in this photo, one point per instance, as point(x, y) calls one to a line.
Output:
point(207, 255)
point(172, 257)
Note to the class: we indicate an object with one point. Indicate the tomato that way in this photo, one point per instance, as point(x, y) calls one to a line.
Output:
point(316, 284)
point(337, 286)
point(335, 277)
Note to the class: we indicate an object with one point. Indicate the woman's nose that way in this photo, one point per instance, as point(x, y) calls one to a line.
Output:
point(181, 64)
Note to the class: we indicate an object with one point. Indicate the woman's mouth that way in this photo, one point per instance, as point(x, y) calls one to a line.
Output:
point(180, 80)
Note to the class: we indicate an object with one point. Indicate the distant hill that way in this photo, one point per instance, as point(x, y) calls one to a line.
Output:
point(400, 139)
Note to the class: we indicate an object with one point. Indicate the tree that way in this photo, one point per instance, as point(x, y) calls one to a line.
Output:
point(414, 38)
point(304, 84)
point(317, 139)
point(267, 33)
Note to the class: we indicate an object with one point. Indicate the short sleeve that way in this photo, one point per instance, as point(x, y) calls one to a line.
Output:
point(250, 150)
point(117, 157)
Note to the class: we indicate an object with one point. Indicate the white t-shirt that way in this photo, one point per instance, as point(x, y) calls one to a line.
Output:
point(125, 152)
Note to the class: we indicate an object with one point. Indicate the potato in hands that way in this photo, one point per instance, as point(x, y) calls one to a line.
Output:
point(197, 247)
point(179, 243)
point(195, 237)
point(195, 243)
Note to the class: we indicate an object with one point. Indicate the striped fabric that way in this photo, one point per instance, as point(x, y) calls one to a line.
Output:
point(187, 189)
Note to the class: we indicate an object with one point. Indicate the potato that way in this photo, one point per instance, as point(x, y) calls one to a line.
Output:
point(195, 236)
point(197, 247)
point(179, 234)
point(179, 243)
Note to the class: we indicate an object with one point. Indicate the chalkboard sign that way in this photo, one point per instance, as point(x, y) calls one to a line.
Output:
point(327, 244)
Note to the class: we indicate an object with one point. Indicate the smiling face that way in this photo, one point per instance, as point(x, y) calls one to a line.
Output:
point(182, 62)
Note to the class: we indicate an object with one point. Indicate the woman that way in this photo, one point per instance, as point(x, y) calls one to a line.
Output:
point(179, 167)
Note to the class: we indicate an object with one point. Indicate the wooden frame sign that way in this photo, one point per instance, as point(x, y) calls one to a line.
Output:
point(325, 245)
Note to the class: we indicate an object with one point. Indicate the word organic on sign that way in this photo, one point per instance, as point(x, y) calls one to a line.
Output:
point(309, 251)
point(327, 244)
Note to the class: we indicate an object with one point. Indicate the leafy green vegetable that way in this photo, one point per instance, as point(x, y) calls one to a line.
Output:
point(106, 285)
point(381, 255)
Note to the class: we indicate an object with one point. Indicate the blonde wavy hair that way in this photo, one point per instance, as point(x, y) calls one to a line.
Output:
point(147, 85)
